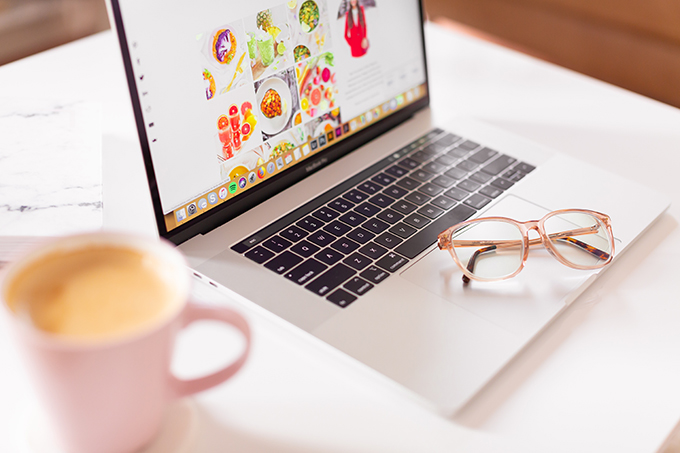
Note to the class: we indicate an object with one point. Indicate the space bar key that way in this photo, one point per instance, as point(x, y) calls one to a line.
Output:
point(417, 243)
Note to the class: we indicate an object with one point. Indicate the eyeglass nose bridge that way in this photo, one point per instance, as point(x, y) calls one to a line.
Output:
point(536, 226)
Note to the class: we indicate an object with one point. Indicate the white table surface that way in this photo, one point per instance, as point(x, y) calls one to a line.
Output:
point(604, 377)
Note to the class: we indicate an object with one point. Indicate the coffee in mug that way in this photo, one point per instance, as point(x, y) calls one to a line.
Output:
point(94, 293)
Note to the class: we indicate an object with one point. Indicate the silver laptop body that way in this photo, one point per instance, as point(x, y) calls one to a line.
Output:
point(421, 328)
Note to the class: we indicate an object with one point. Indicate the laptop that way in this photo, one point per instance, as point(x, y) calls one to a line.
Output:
point(293, 157)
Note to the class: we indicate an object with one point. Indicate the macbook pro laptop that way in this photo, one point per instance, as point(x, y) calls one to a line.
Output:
point(292, 156)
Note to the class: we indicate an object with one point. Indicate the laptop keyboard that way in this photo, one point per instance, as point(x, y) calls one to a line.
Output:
point(354, 236)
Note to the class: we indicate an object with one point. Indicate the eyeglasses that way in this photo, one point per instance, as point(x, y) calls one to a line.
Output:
point(496, 248)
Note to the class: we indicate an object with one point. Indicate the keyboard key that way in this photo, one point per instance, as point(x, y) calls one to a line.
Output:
point(404, 207)
point(524, 167)
point(259, 254)
point(396, 171)
point(443, 202)
point(448, 139)
point(283, 262)
point(469, 185)
point(402, 230)
point(341, 205)
point(381, 200)
point(513, 175)
point(420, 156)
point(355, 196)
point(458, 152)
point(477, 201)
point(358, 286)
point(360, 235)
point(357, 261)
point(391, 262)
point(424, 238)
point(481, 177)
point(445, 160)
point(483, 155)
point(321, 238)
point(455, 173)
point(490, 191)
point(306, 271)
point(329, 256)
point(369, 187)
point(408, 183)
point(431, 189)
point(353, 219)
point(417, 198)
point(498, 165)
point(374, 274)
point(416, 220)
point(443, 181)
point(409, 164)
point(310, 224)
point(395, 192)
point(277, 244)
point(434, 148)
point(345, 245)
point(457, 194)
point(367, 209)
point(502, 184)
point(247, 244)
point(376, 226)
point(430, 211)
point(469, 145)
point(384, 179)
point(467, 165)
point(373, 250)
point(304, 249)
point(390, 216)
point(293, 233)
point(341, 298)
point(421, 175)
point(388, 240)
point(325, 214)
point(331, 279)
point(337, 228)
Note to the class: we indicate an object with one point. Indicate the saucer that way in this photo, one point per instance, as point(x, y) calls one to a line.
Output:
point(177, 435)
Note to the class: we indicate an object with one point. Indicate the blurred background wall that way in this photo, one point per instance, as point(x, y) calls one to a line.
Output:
point(631, 43)
point(31, 26)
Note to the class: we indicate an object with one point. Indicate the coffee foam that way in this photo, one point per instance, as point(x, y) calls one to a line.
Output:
point(95, 292)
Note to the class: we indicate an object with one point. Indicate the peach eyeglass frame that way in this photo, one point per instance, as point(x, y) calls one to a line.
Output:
point(445, 243)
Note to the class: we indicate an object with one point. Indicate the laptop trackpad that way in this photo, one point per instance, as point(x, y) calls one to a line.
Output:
point(522, 304)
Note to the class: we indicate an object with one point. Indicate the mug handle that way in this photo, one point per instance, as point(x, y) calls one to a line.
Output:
point(193, 312)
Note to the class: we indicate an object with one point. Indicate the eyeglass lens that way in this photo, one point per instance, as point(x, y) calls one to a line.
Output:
point(489, 249)
point(579, 238)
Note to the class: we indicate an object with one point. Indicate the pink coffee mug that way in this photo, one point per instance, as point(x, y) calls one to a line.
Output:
point(110, 396)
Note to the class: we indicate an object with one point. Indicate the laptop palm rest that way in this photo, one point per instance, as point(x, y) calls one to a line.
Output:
point(523, 304)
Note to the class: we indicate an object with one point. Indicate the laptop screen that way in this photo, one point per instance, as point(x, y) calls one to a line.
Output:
point(232, 96)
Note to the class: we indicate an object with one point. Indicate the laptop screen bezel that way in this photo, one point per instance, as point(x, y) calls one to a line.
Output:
point(223, 213)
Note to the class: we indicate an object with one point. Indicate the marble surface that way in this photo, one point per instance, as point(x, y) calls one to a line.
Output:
point(50, 170)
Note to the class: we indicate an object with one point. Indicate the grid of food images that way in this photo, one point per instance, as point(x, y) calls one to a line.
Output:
point(271, 88)
point(265, 75)
point(288, 148)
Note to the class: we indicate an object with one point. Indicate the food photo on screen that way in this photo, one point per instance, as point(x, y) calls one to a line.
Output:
point(318, 85)
point(277, 103)
point(310, 28)
point(269, 41)
point(224, 59)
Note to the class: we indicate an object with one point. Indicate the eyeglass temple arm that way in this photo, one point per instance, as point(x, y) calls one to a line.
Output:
point(564, 236)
